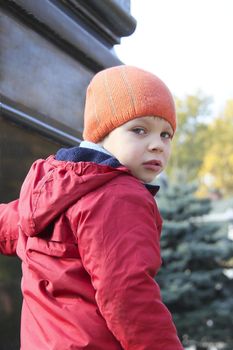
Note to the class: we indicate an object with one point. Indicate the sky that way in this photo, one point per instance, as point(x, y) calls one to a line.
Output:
point(187, 43)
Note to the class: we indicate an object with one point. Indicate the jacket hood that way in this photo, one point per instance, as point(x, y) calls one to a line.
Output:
point(54, 184)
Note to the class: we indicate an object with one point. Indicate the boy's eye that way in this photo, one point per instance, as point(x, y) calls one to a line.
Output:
point(139, 131)
point(166, 135)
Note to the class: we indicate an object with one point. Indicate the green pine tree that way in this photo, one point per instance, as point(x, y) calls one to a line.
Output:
point(193, 279)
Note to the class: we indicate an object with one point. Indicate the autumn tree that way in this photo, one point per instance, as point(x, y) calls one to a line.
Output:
point(217, 167)
point(189, 143)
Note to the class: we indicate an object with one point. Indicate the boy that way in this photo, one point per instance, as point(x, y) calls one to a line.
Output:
point(88, 226)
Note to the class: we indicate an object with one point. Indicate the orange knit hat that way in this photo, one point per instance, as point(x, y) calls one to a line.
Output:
point(122, 93)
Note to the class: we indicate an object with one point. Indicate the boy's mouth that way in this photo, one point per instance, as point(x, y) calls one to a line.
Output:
point(154, 165)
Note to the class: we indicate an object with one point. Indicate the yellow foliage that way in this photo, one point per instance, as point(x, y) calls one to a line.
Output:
point(216, 172)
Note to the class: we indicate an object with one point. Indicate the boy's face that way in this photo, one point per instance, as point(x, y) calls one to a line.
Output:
point(143, 145)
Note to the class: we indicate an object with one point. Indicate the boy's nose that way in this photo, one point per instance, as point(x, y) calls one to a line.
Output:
point(156, 145)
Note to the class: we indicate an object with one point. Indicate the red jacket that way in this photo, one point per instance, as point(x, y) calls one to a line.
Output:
point(88, 237)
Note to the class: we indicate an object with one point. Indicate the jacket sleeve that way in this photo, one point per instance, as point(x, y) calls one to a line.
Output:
point(8, 228)
point(119, 246)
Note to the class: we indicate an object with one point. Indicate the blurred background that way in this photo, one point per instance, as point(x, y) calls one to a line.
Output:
point(50, 49)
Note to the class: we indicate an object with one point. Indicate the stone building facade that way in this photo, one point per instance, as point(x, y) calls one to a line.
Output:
point(49, 50)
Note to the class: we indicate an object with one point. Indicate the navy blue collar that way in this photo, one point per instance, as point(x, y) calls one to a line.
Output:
point(83, 154)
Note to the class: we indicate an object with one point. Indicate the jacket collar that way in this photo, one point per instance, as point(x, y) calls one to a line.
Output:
point(91, 152)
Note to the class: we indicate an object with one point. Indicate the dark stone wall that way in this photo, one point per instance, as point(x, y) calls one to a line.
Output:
point(49, 50)
point(36, 74)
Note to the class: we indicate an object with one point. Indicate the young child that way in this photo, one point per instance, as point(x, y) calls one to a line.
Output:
point(87, 228)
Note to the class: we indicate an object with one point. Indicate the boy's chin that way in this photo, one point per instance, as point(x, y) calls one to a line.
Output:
point(152, 181)
point(148, 180)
